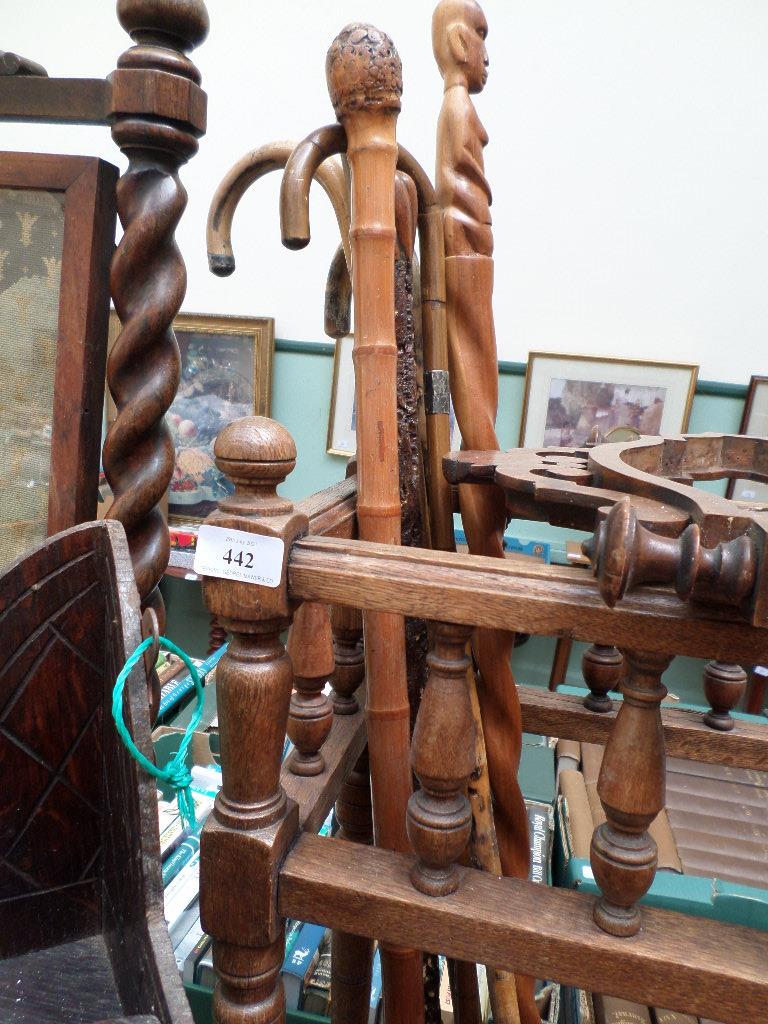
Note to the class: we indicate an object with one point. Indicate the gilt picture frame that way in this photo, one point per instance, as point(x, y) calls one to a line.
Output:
point(226, 373)
point(572, 398)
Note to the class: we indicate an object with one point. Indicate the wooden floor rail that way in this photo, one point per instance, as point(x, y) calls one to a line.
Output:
point(542, 599)
point(685, 732)
point(676, 961)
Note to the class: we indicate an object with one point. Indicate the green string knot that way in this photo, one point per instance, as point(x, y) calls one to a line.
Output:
point(176, 773)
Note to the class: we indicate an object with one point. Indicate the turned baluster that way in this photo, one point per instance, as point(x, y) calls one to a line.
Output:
point(148, 277)
point(348, 652)
point(631, 787)
point(352, 955)
point(603, 668)
point(724, 686)
point(443, 758)
point(311, 715)
point(253, 823)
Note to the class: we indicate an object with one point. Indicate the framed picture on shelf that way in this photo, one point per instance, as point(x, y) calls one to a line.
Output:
point(226, 373)
point(568, 398)
point(754, 423)
point(341, 421)
point(57, 235)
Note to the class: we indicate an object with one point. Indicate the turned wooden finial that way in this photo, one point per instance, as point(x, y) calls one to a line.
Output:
point(626, 554)
point(257, 454)
point(310, 647)
point(184, 22)
point(363, 70)
point(350, 659)
point(724, 686)
point(602, 667)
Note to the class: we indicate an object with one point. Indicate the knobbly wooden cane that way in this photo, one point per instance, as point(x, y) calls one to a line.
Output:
point(459, 29)
point(365, 83)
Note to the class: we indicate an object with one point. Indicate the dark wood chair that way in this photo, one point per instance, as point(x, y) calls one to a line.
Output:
point(83, 936)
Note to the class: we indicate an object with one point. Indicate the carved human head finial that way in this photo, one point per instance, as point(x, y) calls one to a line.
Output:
point(363, 70)
point(459, 31)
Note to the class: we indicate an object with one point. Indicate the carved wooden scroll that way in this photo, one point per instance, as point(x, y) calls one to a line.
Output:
point(653, 524)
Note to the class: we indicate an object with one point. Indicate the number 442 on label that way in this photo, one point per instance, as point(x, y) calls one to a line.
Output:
point(237, 555)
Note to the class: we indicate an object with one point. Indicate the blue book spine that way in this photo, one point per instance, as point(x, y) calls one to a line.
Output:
point(176, 690)
point(375, 986)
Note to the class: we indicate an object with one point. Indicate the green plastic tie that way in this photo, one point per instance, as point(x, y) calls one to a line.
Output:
point(175, 773)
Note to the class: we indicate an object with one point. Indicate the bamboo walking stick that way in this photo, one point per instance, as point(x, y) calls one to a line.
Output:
point(365, 84)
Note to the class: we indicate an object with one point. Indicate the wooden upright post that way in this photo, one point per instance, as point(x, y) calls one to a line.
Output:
point(253, 822)
point(148, 277)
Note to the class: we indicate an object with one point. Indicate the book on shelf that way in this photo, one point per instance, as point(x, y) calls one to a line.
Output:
point(298, 968)
point(191, 939)
point(612, 1010)
point(672, 1017)
point(189, 970)
point(540, 831)
point(317, 991)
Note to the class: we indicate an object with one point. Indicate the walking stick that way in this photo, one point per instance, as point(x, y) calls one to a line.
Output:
point(365, 84)
point(254, 165)
point(459, 29)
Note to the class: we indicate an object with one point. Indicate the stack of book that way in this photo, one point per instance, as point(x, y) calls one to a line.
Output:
point(714, 827)
point(588, 1008)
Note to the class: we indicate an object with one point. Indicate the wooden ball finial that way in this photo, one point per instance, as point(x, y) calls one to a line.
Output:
point(257, 454)
point(363, 70)
point(185, 22)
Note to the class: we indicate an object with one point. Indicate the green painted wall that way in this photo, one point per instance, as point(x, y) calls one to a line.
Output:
point(301, 401)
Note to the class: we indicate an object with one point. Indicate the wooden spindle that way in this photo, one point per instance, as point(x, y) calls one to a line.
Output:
point(148, 277)
point(443, 758)
point(350, 660)
point(252, 823)
point(631, 787)
point(352, 955)
point(724, 686)
point(310, 647)
point(603, 668)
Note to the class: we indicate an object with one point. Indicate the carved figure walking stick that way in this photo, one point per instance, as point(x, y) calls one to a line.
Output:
point(365, 84)
point(459, 29)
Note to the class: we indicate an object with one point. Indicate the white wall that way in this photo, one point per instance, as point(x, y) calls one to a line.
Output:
point(628, 158)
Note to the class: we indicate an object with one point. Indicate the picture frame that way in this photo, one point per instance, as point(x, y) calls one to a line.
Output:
point(754, 423)
point(341, 438)
point(341, 420)
point(226, 373)
point(57, 236)
point(568, 396)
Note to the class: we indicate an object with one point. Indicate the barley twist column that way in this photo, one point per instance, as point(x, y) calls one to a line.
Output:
point(157, 115)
